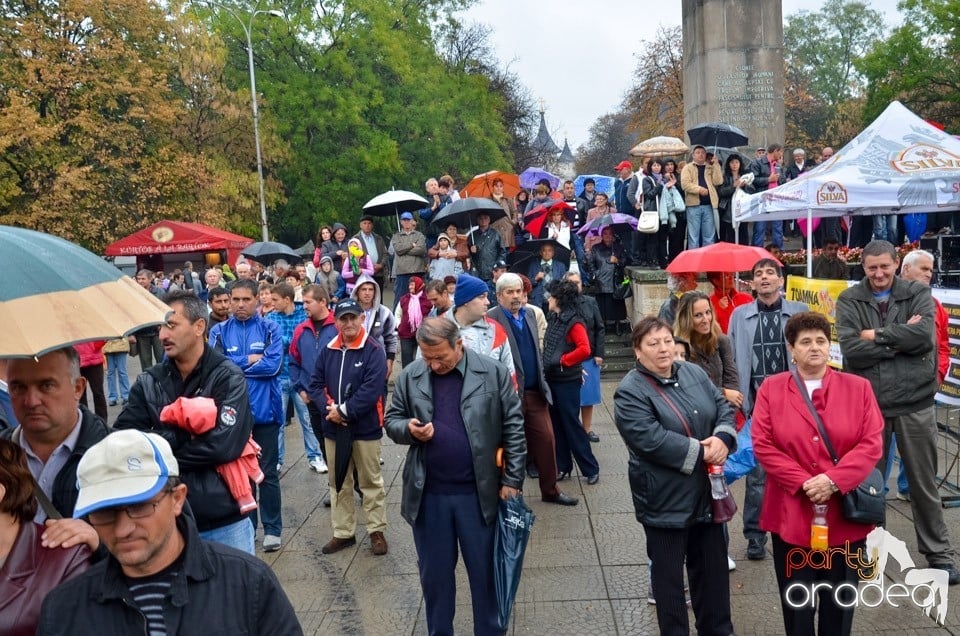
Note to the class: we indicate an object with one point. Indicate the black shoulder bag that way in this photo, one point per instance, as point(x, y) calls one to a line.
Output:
point(865, 503)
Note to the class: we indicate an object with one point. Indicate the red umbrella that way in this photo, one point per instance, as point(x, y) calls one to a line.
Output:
point(534, 219)
point(482, 184)
point(719, 257)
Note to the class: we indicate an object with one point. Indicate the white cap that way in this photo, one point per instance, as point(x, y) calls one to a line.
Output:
point(124, 468)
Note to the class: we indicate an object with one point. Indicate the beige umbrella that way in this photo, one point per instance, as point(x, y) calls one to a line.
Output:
point(659, 147)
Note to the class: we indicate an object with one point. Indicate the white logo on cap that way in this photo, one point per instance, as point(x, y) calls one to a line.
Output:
point(134, 464)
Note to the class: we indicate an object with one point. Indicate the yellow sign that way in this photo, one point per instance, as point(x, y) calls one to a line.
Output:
point(820, 295)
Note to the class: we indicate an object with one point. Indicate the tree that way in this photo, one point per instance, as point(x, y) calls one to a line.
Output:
point(824, 46)
point(655, 102)
point(919, 64)
point(610, 138)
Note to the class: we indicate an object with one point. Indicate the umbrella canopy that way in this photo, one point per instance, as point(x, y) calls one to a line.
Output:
point(482, 184)
point(899, 164)
point(54, 293)
point(530, 176)
point(393, 202)
point(719, 257)
point(602, 182)
point(595, 226)
point(267, 252)
point(659, 147)
point(464, 212)
point(514, 520)
point(717, 134)
point(519, 259)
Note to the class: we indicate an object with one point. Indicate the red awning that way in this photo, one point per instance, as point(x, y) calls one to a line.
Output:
point(172, 237)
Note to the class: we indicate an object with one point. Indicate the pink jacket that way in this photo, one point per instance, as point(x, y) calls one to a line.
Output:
point(787, 444)
point(91, 353)
point(199, 415)
point(366, 267)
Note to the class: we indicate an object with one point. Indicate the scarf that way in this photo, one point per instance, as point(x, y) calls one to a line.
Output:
point(414, 312)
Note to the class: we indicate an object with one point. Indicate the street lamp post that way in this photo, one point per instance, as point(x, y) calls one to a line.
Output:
point(248, 31)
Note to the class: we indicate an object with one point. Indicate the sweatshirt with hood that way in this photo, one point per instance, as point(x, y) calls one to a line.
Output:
point(379, 322)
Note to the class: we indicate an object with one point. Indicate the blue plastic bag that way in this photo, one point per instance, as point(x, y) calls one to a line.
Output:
point(741, 461)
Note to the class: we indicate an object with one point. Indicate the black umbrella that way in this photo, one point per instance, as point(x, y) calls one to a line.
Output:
point(267, 252)
point(519, 259)
point(464, 212)
point(514, 520)
point(717, 134)
point(343, 447)
point(724, 153)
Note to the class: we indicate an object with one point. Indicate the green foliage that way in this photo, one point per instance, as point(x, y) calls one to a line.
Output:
point(919, 63)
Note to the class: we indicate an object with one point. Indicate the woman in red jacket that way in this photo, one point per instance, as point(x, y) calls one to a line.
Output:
point(800, 473)
point(91, 368)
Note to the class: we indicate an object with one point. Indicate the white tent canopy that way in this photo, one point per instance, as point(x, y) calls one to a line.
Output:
point(899, 164)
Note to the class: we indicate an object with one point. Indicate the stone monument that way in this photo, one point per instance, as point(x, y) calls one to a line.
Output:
point(733, 66)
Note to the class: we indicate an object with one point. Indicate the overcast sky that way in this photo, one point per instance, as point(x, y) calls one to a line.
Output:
point(578, 56)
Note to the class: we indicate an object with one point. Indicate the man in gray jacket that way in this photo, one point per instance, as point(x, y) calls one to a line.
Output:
point(760, 350)
point(886, 330)
point(454, 408)
point(409, 248)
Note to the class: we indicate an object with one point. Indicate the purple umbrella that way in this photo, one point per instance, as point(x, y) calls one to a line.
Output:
point(530, 176)
point(595, 226)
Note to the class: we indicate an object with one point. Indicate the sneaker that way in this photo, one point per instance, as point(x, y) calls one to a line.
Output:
point(953, 575)
point(756, 551)
point(731, 564)
point(381, 460)
point(112, 403)
point(319, 466)
point(903, 496)
point(271, 543)
point(378, 544)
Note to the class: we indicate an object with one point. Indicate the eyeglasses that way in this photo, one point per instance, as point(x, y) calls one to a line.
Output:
point(108, 516)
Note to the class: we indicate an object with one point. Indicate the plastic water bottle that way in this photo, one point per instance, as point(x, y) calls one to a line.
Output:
point(725, 507)
point(818, 528)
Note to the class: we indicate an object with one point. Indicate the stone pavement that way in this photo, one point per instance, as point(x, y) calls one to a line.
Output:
point(585, 569)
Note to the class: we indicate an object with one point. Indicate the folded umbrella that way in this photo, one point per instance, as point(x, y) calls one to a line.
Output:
point(54, 293)
point(514, 521)
point(343, 447)
point(267, 252)
point(719, 257)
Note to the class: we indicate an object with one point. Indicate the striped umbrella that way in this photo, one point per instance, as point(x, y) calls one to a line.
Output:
point(54, 293)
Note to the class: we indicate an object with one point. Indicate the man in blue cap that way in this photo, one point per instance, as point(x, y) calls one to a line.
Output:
point(409, 248)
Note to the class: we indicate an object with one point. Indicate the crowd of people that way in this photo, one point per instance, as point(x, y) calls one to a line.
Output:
point(500, 375)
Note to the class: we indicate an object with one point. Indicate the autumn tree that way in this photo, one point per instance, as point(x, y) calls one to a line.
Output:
point(655, 102)
point(918, 64)
point(609, 139)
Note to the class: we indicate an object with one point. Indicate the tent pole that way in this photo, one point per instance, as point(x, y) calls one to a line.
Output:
point(809, 243)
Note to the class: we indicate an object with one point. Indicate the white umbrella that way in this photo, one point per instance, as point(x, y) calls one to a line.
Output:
point(659, 147)
point(393, 202)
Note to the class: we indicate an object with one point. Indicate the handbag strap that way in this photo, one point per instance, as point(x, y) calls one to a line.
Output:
point(816, 416)
point(666, 398)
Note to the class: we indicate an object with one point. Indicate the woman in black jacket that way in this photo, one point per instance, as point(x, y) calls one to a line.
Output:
point(607, 260)
point(675, 423)
point(733, 172)
point(566, 346)
point(654, 245)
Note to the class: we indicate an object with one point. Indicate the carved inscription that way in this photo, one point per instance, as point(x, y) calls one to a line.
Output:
point(745, 95)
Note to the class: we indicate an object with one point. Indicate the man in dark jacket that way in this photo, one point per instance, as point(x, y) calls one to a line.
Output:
point(768, 174)
point(521, 328)
point(255, 344)
point(347, 388)
point(54, 431)
point(192, 369)
point(160, 576)
point(885, 326)
point(455, 408)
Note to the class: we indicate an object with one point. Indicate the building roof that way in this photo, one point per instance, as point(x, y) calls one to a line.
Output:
point(544, 142)
point(566, 156)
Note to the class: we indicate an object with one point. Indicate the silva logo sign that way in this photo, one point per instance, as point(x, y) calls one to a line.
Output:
point(924, 588)
point(925, 158)
point(831, 192)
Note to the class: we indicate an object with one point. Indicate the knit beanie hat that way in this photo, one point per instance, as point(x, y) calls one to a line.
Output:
point(468, 288)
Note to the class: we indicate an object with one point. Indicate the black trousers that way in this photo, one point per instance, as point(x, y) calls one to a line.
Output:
point(703, 548)
point(798, 606)
point(94, 376)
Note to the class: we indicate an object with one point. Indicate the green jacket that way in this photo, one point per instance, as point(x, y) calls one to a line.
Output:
point(901, 363)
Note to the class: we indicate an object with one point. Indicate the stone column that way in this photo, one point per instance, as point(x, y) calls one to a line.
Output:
point(733, 66)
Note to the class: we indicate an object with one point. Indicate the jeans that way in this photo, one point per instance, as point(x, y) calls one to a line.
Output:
point(310, 444)
point(267, 435)
point(903, 486)
point(240, 535)
point(885, 228)
point(701, 230)
point(117, 368)
point(760, 233)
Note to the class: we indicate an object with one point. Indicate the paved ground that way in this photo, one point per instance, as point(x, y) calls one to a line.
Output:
point(585, 570)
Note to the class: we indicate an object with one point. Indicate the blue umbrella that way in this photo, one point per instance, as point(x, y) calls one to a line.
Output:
point(604, 183)
point(530, 176)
